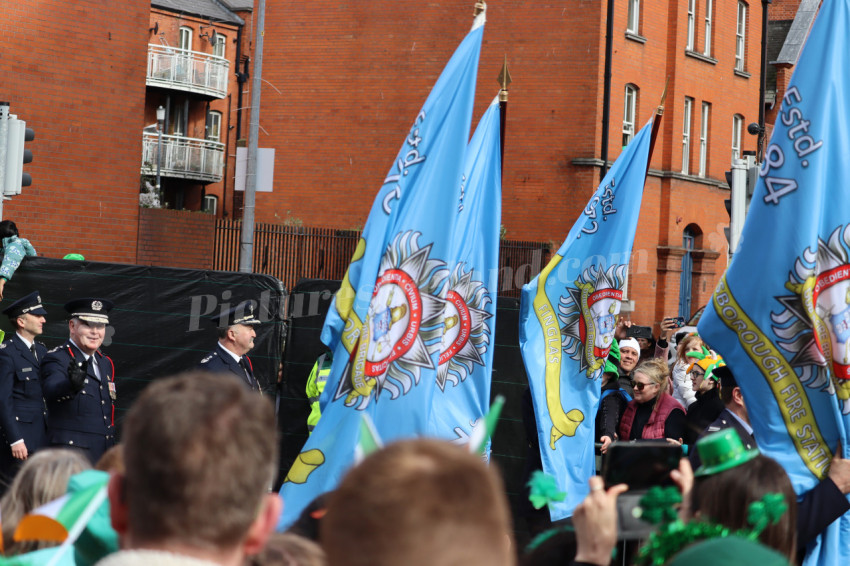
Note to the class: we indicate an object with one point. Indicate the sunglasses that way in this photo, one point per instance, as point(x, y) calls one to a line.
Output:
point(641, 386)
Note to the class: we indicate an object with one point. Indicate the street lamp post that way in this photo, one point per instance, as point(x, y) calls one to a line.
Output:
point(160, 119)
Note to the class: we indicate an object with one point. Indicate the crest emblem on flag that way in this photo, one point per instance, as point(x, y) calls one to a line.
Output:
point(589, 315)
point(403, 325)
point(815, 325)
point(467, 334)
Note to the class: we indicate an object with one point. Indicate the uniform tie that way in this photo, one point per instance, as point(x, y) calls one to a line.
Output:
point(34, 355)
point(244, 366)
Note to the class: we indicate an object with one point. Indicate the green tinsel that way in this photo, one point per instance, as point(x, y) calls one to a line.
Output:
point(673, 536)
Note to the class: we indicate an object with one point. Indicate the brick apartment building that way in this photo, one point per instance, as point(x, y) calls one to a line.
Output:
point(341, 85)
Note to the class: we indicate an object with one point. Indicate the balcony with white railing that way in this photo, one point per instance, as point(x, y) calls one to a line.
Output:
point(184, 158)
point(190, 71)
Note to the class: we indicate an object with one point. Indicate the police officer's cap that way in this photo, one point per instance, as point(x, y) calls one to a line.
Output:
point(89, 309)
point(243, 313)
point(31, 304)
point(727, 378)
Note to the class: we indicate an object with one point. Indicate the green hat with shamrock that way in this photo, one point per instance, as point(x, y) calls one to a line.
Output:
point(721, 451)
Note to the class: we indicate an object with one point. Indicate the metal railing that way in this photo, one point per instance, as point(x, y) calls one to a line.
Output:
point(181, 69)
point(291, 253)
point(186, 158)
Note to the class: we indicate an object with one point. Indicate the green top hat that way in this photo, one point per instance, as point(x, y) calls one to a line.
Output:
point(615, 351)
point(721, 451)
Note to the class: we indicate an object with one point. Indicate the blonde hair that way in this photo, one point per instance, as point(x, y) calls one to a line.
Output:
point(43, 478)
point(655, 369)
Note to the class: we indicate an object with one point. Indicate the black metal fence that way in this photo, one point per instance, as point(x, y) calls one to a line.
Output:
point(291, 253)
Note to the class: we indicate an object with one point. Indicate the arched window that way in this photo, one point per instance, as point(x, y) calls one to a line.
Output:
point(689, 238)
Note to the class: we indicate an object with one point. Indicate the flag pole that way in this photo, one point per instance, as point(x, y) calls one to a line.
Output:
point(504, 80)
point(656, 123)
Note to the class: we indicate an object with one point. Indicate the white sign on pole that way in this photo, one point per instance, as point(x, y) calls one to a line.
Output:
point(265, 169)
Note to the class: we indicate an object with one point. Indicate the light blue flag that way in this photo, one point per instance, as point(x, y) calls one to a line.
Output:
point(567, 318)
point(386, 323)
point(466, 356)
point(781, 314)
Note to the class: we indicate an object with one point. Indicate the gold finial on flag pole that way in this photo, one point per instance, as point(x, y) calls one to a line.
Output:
point(660, 109)
point(504, 80)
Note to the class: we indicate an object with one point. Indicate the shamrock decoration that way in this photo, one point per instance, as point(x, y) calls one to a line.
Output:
point(657, 506)
point(544, 490)
point(766, 511)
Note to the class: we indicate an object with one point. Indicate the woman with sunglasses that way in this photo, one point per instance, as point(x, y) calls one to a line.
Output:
point(653, 413)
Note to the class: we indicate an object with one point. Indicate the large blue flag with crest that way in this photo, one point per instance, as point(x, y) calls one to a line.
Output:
point(567, 318)
point(466, 355)
point(780, 316)
point(387, 323)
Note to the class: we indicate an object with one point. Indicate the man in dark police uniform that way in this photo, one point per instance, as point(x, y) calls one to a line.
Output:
point(235, 339)
point(23, 416)
point(79, 382)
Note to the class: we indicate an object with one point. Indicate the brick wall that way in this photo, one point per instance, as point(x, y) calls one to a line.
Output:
point(175, 238)
point(75, 71)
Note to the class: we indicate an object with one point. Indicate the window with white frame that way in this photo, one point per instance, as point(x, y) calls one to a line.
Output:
point(686, 135)
point(703, 139)
point(691, 21)
point(179, 120)
point(220, 45)
point(210, 204)
point(740, 37)
point(214, 126)
point(737, 126)
point(185, 38)
point(709, 7)
point(633, 24)
point(629, 112)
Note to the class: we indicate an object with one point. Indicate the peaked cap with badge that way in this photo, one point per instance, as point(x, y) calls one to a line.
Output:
point(243, 313)
point(29, 304)
point(89, 309)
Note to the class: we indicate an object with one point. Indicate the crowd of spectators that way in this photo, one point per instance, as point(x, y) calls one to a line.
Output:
point(196, 488)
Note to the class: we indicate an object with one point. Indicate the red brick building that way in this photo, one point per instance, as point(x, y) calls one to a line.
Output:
point(352, 79)
point(341, 85)
point(75, 72)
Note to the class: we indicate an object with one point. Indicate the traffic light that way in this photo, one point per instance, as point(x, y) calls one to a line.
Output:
point(14, 134)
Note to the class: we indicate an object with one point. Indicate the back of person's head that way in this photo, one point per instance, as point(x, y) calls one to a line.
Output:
point(42, 478)
point(288, 549)
point(200, 455)
point(112, 460)
point(418, 503)
point(725, 497)
point(555, 547)
point(307, 523)
point(8, 229)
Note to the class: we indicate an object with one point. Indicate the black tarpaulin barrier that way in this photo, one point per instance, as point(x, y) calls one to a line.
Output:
point(161, 322)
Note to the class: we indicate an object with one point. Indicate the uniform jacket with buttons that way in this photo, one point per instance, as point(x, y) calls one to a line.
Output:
point(88, 411)
point(22, 411)
point(220, 361)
